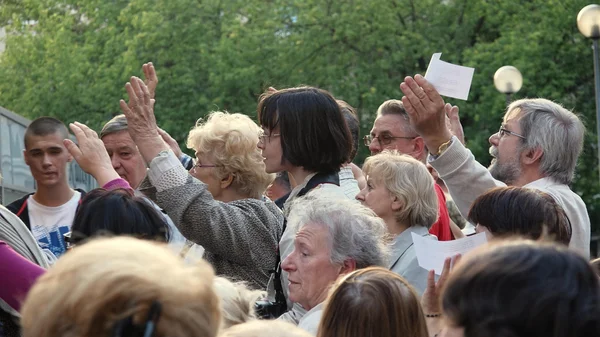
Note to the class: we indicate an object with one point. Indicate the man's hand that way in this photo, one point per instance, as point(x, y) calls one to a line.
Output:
point(426, 110)
point(453, 122)
point(91, 154)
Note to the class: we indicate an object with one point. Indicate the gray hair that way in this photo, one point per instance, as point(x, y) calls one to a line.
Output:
point(355, 231)
point(557, 131)
point(396, 107)
point(237, 301)
point(116, 124)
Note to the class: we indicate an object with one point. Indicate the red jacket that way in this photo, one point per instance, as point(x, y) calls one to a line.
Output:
point(441, 228)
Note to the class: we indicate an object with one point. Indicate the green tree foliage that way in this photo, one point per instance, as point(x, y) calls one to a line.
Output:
point(70, 59)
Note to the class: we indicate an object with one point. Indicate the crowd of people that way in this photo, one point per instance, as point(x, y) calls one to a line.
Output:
point(271, 230)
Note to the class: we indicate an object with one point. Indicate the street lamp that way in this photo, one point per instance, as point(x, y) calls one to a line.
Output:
point(588, 22)
point(508, 80)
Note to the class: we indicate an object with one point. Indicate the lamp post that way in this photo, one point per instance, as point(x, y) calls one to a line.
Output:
point(508, 80)
point(588, 22)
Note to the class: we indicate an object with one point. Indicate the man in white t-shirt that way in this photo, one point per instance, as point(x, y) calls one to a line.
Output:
point(48, 212)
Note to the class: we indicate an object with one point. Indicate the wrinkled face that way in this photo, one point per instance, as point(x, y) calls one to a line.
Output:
point(390, 126)
point(377, 197)
point(204, 170)
point(125, 157)
point(309, 267)
point(47, 158)
point(272, 152)
point(506, 152)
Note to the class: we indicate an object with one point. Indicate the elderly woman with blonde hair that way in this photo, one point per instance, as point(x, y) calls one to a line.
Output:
point(219, 203)
point(122, 287)
point(400, 191)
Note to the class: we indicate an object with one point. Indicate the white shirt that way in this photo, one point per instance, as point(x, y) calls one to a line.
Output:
point(49, 224)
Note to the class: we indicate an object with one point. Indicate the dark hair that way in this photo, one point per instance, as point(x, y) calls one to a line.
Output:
point(117, 212)
point(353, 125)
point(372, 302)
point(313, 132)
point(523, 288)
point(521, 211)
point(44, 126)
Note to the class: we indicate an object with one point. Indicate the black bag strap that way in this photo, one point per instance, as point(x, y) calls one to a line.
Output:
point(316, 180)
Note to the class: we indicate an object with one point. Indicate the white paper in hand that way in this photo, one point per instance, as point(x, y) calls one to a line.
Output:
point(432, 253)
point(449, 79)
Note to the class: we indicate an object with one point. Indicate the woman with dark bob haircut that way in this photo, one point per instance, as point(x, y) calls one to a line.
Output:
point(117, 212)
point(304, 133)
point(517, 211)
point(522, 289)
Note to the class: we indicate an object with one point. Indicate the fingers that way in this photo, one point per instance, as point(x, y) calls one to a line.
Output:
point(455, 261)
point(272, 90)
point(125, 108)
point(428, 89)
point(411, 101)
point(445, 271)
point(73, 149)
point(431, 281)
point(133, 98)
point(86, 130)
point(165, 136)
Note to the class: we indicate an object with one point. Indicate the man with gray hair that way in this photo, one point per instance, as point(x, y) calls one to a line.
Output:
point(392, 131)
point(129, 164)
point(537, 146)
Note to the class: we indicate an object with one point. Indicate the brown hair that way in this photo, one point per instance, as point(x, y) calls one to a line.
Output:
point(510, 211)
point(98, 286)
point(523, 288)
point(372, 302)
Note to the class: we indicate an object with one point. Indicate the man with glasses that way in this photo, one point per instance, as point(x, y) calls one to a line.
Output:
point(392, 131)
point(537, 146)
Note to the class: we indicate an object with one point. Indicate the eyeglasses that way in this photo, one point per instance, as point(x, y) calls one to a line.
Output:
point(263, 136)
point(383, 139)
point(198, 164)
point(502, 132)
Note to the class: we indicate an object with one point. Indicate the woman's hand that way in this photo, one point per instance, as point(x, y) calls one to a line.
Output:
point(91, 154)
point(430, 301)
point(141, 121)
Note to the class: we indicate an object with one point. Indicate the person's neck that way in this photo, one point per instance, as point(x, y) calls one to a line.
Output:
point(299, 174)
point(53, 196)
point(527, 176)
point(231, 195)
point(394, 227)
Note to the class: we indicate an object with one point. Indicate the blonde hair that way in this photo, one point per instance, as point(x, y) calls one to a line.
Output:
point(94, 287)
point(267, 328)
point(231, 140)
point(372, 302)
point(408, 180)
point(237, 301)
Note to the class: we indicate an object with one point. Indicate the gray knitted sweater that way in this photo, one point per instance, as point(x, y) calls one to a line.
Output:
point(240, 238)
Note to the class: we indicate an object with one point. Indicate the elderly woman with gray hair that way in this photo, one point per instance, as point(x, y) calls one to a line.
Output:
point(333, 237)
point(400, 191)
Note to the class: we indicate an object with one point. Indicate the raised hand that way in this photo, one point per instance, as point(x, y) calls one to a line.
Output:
point(453, 122)
point(430, 301)
point(172, 143)
point(91, 154)
point(150, 78)
point(426, 110)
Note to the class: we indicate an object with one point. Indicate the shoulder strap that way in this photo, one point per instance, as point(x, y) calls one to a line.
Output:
point(20, 211)
point(318, 179)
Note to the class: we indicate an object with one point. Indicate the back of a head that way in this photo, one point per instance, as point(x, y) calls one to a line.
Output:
point(507, 211)
point(408, 180)
point(266, 328)
point(237, 301)
point(523, 288)
point(372, 302)
point(556, 130)
point(112, 283)
point(116, 124)
point(44, 126)
point(353, 124)
point(313, 132)
point(117, 212)
point(355, 231)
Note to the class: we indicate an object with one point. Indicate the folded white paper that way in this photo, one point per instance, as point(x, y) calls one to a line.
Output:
point(449, 79)
point(432, 253)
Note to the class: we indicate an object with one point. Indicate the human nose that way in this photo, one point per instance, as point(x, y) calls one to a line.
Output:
point(375, 146)
point(361, 195)
point(115, 161)
point(288, 263)
point(46, 161)
point(494, 139)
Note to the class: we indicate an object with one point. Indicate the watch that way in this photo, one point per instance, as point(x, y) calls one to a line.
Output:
point(442, 148)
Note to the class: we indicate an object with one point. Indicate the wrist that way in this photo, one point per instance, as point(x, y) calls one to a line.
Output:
point(433, 143)
point(150, 147)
